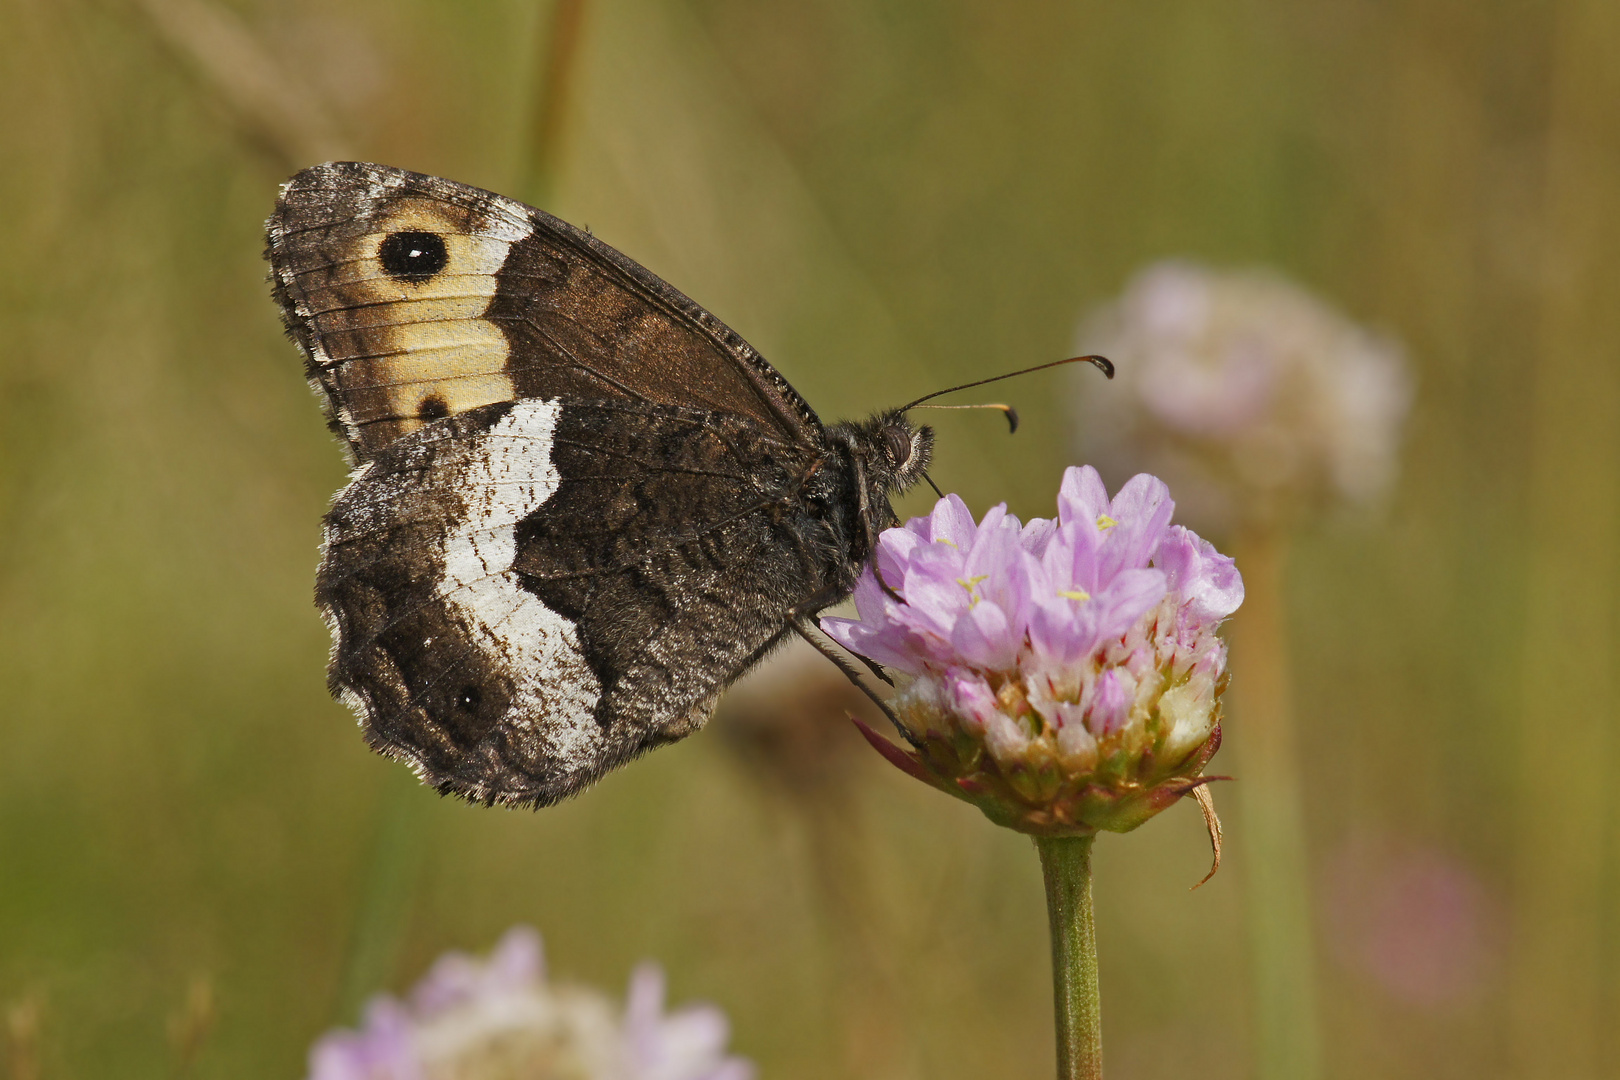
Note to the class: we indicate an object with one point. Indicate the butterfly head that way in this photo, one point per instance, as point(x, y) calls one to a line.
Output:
point(893, 451)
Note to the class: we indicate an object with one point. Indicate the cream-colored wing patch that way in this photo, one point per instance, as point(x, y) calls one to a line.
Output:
point(394, 304)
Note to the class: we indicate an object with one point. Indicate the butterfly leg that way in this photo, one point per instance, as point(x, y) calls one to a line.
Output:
point(824, 598)
point(865, 515)
point(803, 630)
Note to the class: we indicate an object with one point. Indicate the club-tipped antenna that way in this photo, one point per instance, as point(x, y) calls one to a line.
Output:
point(1101, 363)
point(1007, 410)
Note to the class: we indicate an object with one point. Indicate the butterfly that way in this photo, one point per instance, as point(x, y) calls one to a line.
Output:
point(581, 505)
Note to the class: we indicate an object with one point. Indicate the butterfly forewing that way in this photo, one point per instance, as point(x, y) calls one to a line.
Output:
point(416, 297)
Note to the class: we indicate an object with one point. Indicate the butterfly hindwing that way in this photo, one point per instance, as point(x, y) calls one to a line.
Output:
point(519, 605)
point(433, 641)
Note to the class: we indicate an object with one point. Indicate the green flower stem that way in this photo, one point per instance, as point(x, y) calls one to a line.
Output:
point(389, 892)
point(1272, 839)
point(1066, 866)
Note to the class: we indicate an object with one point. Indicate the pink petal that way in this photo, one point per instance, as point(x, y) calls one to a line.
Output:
point(891, 646)
point(1062, 631)
point(1071, 559)
point(1083, 497)
point(1207, 580)
point(983, 638)
point(1127, 598)
point(1038, 533)
point(1142, 512)
point(1110, 703)
point(971, 698)
point(952, 522)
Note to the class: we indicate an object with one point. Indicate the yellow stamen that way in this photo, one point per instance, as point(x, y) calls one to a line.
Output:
point(971, 584)
point(1105, 522)
point(1074, 594)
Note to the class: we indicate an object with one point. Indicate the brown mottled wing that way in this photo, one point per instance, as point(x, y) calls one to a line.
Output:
point(525, 596)
point(415, 297)
point(580, 509)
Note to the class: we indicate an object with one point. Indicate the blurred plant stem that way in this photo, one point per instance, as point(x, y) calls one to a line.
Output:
point(274, 110)
point(191, 1024)
point(866, 993)
point(1564, 993)
point(559, 44)
point(23, 1021)
point(1066, 866)
point(1277, 882)
point(389, 891)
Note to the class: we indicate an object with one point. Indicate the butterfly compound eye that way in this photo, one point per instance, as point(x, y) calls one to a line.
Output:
point(412, 256)
point(899, 445)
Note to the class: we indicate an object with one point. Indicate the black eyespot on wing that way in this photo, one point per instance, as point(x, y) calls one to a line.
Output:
point(413, 256)
point(433, 407)
point(469, 698)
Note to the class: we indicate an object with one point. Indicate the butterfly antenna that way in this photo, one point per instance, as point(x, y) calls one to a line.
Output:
point(1010, 412)
point(1101, 363)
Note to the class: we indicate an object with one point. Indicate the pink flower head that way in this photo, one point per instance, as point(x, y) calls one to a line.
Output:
point(1075, 640)
point(1250, 394)
point(471, 1017)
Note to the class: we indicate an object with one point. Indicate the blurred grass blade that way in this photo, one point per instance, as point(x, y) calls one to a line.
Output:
point(191, 1024)
point(23, 1022)
point(559, 44)
point(274, 110)
point(1563, 991)
point(397, 855)
point(1272, 838)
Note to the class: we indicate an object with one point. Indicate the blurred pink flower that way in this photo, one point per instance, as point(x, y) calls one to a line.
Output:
point(1244, 391)
point(1416, 921)
point(494, 1019)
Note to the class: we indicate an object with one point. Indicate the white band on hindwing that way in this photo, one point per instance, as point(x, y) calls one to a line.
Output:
point(508, 475)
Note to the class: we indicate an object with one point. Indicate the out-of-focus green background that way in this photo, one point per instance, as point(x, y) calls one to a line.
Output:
point(884, 196)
